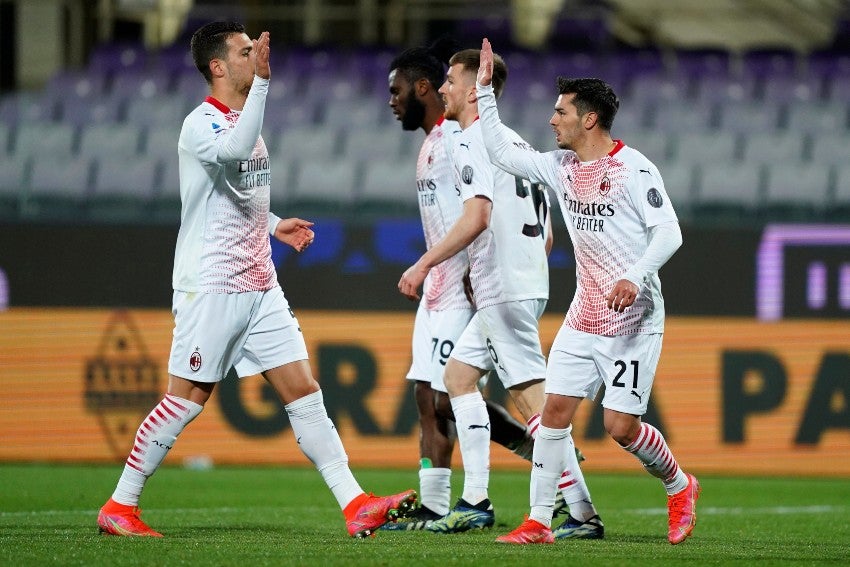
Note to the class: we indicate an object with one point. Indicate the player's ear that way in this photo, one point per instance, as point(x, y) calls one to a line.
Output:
point(422, 87)
point(217, 67)
point(590, 120)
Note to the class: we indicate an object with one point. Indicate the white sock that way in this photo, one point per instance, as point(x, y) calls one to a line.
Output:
point(319, 440)
point(473, 435)
point(435, 488)
point(533, 424)
point(547, 464)
point(155, 437)
point(573, 486)
point(651, 449)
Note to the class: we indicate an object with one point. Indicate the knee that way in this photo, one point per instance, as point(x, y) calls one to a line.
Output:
point(623, 431)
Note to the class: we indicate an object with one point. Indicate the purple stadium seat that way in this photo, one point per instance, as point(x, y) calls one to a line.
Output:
point(108, 59)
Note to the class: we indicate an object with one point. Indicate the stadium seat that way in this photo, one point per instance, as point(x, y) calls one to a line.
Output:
point(681, 116)
point(13, 178)
point(384, 143)
point(23, 107)
point(119, 142)
point(707, 147)
point(58, 188)
point(830, 149)
point(323, 186)
point(105, 109)
point(5, 137)
point(158, 110)
point(795, 190)
point(730, 188)
point(763, 147)
point(355, 113)
point(653, 144)
point(388, 187)
point(166, 201)
point(748, 116)
point(161, 140)
point(680, 182)
point(123, 190)
point(841, 197)
point(818, 118)
point(44, 139)
point(307, 142)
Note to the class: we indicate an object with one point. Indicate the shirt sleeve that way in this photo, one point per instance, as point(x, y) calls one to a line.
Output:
point(650, 196)
point(664, 240)
point(518, 159)
point(473, 170)
point(273, 220)
point(219, 145)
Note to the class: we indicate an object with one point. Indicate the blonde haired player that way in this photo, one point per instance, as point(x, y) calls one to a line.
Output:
point(505, 232)
point(623, 229)
point(229, 310)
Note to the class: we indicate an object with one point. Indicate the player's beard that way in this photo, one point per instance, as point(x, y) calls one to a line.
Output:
point(414, 113)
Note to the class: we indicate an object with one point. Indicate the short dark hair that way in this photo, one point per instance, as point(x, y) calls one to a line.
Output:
point(425, 62)
point(592, 95)
point(471, 60)
point(210, 42)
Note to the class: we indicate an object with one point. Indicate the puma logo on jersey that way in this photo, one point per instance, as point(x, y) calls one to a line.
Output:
point(465, 146)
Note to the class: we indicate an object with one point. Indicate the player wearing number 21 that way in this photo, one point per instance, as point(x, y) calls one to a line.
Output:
point(623, 229)
point(505, 229)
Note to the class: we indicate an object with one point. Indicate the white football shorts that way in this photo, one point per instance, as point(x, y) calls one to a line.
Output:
point(252, 331)
point(580, 363)
point(505, 338)
point(435, 334)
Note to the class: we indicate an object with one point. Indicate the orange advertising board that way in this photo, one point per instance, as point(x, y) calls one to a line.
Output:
point(731, 395)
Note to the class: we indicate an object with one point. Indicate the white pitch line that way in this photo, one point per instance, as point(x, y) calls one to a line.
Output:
point(711, 511)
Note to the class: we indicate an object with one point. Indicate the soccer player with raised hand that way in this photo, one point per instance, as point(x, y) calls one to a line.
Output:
point(623, 229)
point(415, 76)
point(229, 309)
point(505, 232)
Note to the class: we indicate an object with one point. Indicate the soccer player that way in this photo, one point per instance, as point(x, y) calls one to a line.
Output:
point(414, 79)
point(229, 309)
point(623, 228)
point(506, 232)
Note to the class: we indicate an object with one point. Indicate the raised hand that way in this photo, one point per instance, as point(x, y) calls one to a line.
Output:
point(485, 69)
point(261, 49)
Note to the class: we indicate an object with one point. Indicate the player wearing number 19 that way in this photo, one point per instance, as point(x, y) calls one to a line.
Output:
point(505, 230)
point(623, 229)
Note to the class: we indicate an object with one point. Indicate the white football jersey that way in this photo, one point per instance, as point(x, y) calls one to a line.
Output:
point(508, 260)
point(223, 244)
point(440, 206)
point(609, 205)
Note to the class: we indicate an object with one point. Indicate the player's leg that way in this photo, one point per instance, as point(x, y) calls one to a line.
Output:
point(632, 360)
point(570, 377)
point(196, 352)
point(434, 335)
point(276, 348)
point(464, 369)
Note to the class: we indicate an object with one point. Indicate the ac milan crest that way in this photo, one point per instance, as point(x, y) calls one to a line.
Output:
point(195, 360)
point(605, 186)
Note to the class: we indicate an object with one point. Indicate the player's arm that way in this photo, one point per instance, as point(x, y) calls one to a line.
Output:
point(293, 232)
point(238, 144)
point(664, 240)
point(474, 220)
point(523, 162)
point(550, 236)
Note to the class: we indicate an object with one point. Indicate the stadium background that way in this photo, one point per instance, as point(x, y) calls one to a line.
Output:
point(743, 105)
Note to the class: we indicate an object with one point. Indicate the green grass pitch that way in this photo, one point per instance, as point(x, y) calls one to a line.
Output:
point(286, 516)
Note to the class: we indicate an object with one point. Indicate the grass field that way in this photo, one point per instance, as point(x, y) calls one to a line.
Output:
point(274, 516)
